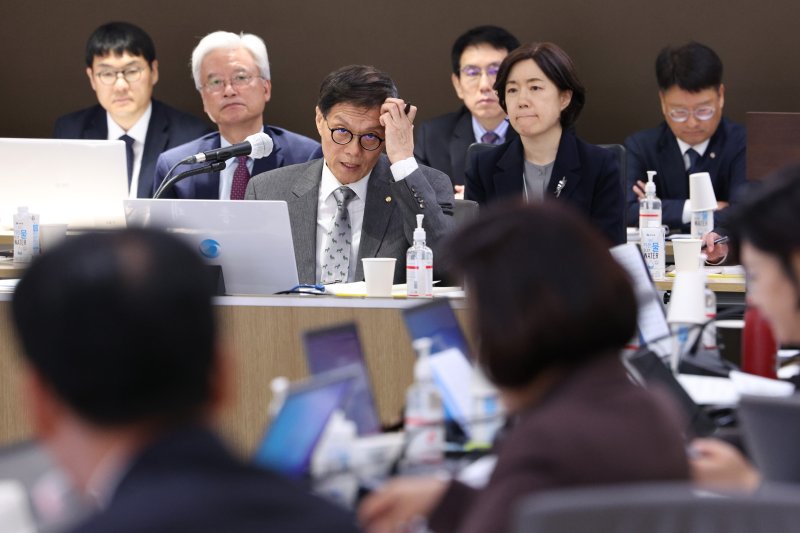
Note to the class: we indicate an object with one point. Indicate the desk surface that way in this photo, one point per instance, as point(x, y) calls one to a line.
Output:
point(263, 336)
point(721, 284)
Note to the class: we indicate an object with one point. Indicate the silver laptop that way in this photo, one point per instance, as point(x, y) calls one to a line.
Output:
point(75, 182)
point(250, 240)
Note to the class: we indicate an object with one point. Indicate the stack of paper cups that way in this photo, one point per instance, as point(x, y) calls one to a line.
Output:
point(703, 202)
point(687, 307)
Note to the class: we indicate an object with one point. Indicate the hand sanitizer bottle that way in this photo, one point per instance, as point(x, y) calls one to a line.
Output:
point(651, 232)
point(424, 416)
point(419, 265)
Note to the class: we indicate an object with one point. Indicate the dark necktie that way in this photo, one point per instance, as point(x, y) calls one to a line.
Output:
point(241, 176)
point(693, 158)
point(336, 263)
point(489, 137)
point(128, 155)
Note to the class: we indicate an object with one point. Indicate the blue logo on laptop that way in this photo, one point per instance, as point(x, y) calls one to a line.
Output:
point(210, 248)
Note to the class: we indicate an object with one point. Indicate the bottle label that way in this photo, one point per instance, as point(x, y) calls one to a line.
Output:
point(652, 242)
point(649, 218)
point(702, 223)
point(419, 277)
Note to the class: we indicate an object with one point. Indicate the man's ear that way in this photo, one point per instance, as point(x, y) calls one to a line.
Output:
point(45, 407)
point(457, 86)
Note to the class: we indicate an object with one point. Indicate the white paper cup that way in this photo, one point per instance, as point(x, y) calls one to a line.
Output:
point(50, 235)
point(688, 302)
point(701, 192)
point(379, 275)
point(687, 254)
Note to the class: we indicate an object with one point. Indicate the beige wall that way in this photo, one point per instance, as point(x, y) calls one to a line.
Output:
point(614, 44)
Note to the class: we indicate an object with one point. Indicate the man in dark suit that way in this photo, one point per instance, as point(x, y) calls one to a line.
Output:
point(122, 68)
point(231, 72)
point(375, 196)
point(694, 137)
point(442, 142)
point(124, 368)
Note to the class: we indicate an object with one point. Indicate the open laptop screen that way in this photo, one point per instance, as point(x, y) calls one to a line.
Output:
point(80, 183)
point(293, 434)
point(251, 241)
point(330, 348)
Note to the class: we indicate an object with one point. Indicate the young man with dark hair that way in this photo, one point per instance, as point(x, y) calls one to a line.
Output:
point(371, 198)
point(122, 69)
point(442, 142)
point(694, 137)
point(124, 369)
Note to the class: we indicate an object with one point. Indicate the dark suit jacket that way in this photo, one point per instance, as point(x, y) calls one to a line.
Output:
point(593, 428)
point(168, 127)
point(289, 149)
point(389, 213)
point(189, 482)
point(657, 149)
point(442, 143)
point(593, 184)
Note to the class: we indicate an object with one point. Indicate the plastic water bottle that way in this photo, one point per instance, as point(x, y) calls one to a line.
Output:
point(651, 232)
point(26, 235)
point(424, 416)
point(487, 411)
point(419, 265)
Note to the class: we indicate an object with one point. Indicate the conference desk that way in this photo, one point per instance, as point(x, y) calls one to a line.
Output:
point(263, 337)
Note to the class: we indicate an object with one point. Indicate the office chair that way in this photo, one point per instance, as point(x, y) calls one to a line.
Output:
point(622, 159)
point(659, 508)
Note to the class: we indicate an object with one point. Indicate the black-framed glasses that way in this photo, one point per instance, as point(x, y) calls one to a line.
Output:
point(110, 77)
point(215, 85)
point(703, 113)
point(368, 141)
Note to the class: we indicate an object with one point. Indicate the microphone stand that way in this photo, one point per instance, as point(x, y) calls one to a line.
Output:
point(216, 166)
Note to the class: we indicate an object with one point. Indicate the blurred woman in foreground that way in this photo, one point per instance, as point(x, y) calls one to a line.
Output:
point(765, 238)
point(552, 311)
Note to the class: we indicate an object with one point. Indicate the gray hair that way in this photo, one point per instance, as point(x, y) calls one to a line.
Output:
point(225, 39)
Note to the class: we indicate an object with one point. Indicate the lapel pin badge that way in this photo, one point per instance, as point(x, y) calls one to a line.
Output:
point(712, 155)
point(560, 187)
point(388, 199)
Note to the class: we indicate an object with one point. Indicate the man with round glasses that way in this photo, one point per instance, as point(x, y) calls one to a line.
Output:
point(694, 137)
point(122, 68)
point(231, 73)
point(356, 201)
point(442, 142)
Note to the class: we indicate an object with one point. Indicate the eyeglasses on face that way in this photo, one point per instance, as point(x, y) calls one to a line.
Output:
point(703, 113)
point(473, 72)
point(368, 141)
point(129, 74)
point(215, 85)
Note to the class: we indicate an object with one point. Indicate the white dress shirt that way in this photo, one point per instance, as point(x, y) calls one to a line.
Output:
point(138, 133)
point(326, 210)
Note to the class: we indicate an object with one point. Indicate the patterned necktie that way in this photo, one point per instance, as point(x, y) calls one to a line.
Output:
point(128, 155)
point(240, 178)
point(489, 137)
point(693, 157)
point(336, 262)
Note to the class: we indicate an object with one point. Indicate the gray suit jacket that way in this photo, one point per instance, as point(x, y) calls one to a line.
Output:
point(389, 214)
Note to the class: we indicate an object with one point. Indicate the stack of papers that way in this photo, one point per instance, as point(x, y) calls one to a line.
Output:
point(359, 290)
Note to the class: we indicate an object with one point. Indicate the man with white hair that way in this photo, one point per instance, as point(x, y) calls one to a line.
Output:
point(231, 72)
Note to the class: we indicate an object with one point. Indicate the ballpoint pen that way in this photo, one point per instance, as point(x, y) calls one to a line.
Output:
point(721, 240)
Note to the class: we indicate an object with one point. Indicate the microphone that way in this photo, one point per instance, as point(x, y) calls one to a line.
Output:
point(256, 146)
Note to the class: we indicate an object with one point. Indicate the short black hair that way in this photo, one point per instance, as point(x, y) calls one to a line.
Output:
point(556, 65)
point(117, 38)
point(120, 325)
point(359, 85)
point(544, 289)
point(495, 36)
point(768, 219)
point(692, 67)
